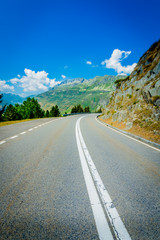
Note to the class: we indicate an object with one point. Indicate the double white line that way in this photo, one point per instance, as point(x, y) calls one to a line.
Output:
point(100, 200)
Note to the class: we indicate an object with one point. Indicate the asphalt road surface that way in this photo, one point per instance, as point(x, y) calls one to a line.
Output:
point(74, 178)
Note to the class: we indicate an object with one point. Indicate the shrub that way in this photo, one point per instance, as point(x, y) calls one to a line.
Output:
point(129, 95)
point(135, 102)
point(119, 81)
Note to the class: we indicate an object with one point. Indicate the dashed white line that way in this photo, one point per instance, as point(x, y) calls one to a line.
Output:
point(118, 227)
point(22, 133)
point(14, 137)
point(10, 138)
point(30, 129)
point(126, 135)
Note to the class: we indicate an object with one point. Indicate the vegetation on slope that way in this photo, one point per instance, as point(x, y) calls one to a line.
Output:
point(79, 109)
point(93, 92)
point(30, 109)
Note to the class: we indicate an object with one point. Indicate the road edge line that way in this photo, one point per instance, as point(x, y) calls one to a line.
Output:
point(144, 141)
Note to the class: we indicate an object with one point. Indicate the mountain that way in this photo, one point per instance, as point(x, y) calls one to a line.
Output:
point(93, 93)
point(135, 103)
point(9, 98)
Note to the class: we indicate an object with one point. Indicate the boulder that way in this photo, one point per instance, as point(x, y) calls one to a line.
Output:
point(115, 117)
point(129, 125)
point(157, 103)
point(122, 116)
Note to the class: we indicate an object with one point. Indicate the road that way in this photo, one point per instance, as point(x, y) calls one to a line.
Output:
point(74, 178)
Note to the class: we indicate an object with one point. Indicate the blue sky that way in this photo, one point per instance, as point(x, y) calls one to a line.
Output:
point(44, 42)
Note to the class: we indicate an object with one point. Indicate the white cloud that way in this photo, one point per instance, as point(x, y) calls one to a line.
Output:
point(53, 83)
point(63, 76)
point(34, 81)
point(4, 87)
point(89, 62)
point(18, 75)
point(14, 80)
point(122, 74)
point(114, 62)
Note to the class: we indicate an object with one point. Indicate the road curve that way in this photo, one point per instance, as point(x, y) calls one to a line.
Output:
point(46, 194)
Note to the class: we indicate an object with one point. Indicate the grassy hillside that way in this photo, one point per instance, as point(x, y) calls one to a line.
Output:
point(93, 93)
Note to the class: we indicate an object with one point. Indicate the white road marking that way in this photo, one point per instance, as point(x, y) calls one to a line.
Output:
point(22, 133)
point(127, 135)
point(14, 137)
point(10, 138)
point(99, 216)
point(115, 220)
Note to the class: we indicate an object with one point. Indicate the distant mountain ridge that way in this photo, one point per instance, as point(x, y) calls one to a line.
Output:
point(9, 98)
point(71, 81)
point(94, 93)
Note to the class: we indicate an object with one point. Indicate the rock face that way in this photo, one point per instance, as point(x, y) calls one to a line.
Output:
point(137, 98)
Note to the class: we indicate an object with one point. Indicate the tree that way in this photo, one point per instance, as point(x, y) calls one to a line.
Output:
point(77, 109)
point(11, 113)
point(57, 112)
point(18, 108)
point(51, 113)
point(28, 110)
point(87, 109)
point(3, 108)
point(74, 109)
point(47, 113)
point(54, 112)
point(31, 109)
point(99, 110)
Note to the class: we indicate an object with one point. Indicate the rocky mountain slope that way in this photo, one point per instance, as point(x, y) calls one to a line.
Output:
point(136, 101)
point(94, 93)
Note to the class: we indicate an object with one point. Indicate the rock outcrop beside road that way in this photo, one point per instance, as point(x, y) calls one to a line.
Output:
point(136, 101)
